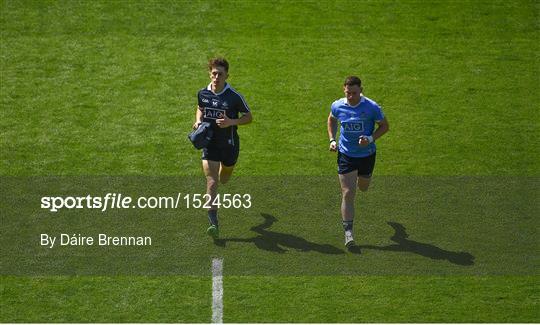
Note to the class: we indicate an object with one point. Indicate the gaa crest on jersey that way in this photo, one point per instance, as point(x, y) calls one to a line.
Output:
point(213, 113)
point(353, 126)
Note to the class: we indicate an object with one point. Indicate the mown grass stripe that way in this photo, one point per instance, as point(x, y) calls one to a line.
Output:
point(217, 290)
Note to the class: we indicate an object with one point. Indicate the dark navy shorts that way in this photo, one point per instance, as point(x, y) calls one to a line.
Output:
point(227, 154)
point(364, 165)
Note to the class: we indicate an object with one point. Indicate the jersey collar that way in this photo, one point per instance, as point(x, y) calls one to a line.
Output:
point(221, 92)
point(362, 99)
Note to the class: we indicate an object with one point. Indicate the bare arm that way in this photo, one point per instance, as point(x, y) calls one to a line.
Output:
point(382, 128)
point(198, 118)
point(246, 118)
point(331, 126)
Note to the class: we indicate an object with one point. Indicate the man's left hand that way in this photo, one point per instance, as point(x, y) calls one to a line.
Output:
point(225, 122)
point(365, 140)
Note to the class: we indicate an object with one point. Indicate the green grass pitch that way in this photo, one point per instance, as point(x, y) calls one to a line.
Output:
point(107, 88)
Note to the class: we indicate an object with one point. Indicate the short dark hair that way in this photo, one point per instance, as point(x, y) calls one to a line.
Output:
point(218, 62)
point(352, 80)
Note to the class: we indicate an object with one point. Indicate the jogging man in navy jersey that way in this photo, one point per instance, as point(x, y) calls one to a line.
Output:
point(358, 116)
point(225, 109)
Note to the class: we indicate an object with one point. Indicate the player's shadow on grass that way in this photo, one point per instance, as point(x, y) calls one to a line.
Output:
point(403, 244)
point(278, 242)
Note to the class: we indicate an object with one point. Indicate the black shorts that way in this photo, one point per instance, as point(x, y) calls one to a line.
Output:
point(227, 154)
point(364, 165)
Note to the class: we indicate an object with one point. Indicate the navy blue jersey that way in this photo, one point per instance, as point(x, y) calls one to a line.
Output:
point(213, 106)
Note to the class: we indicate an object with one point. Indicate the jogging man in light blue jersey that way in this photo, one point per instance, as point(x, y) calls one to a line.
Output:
point(362, 122)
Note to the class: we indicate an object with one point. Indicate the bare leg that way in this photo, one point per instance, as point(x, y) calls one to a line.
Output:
point(348, 191)
point(363, 183)
point(211, 172)
point(225, 173)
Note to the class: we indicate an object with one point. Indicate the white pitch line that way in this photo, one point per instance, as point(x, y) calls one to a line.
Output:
point(217, 290)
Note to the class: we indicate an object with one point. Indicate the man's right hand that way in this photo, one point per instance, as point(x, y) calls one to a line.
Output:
point(196, 125)
point(333, 146)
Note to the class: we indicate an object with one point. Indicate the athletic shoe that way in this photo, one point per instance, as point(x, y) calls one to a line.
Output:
point(213, 232)
point(349, 240)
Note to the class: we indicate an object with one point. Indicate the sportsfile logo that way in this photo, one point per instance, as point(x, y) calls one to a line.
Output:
point(121, 201)
point(354, 126)
point(213, 113)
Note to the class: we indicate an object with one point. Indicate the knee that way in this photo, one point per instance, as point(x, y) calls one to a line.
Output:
point(363, 184)
point(224, 179)
point(348, 193)
point(363, 187)
point(211, 183)
point(225, 174)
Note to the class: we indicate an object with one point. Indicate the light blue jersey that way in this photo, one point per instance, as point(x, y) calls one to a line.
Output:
point(356, 121)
